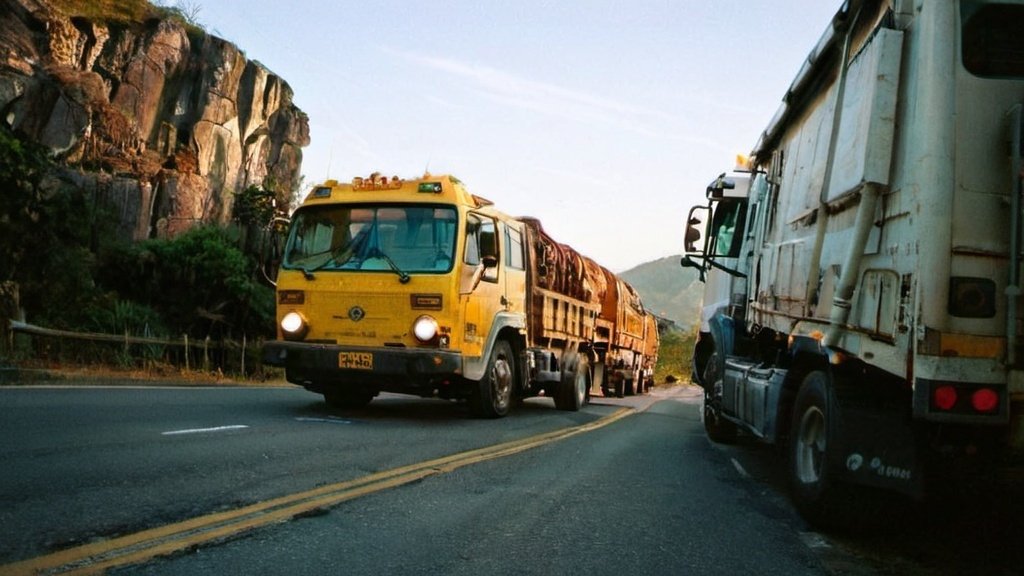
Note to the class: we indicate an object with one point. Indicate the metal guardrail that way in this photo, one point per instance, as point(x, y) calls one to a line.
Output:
point(26, 328)
point(128, 340)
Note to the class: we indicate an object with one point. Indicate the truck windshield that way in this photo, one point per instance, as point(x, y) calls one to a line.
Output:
point(412, 239)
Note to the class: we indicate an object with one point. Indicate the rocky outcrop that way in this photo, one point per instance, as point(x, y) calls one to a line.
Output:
point(168, 121)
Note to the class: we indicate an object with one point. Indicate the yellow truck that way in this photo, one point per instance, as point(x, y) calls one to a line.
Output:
point(420, 287)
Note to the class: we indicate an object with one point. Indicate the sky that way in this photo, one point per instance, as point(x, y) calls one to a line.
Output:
point(604, 119)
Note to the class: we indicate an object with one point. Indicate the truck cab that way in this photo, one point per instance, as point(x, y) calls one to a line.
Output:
point(713, 245)
point(411, 286)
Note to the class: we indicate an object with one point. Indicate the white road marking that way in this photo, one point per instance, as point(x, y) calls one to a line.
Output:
point(814, 541)
point(202, 430)
point(328, 420)
point(739, 468)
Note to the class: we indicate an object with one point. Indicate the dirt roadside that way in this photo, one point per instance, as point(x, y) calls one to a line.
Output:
point(105, 376)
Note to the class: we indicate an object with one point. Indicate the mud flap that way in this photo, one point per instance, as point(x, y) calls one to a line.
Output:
point(877, 449)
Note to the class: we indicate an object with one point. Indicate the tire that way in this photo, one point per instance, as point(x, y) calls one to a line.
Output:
point(816, 495)
point(717, 428)
point(574, 388)
point(492, 395)
point(348, 398)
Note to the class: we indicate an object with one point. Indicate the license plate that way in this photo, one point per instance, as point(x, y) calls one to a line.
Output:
point(355, 360)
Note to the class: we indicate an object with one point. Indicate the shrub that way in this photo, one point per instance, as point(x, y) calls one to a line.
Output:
point(674, 356)
point(202, 283)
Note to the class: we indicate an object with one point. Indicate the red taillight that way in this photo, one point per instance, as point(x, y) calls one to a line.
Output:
point(944, 397)
point(985, 400)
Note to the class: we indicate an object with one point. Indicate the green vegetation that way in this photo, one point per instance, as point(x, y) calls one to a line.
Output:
point(48, 236)
point(668, 290)
point(200, 283)
point(131, 12)
point(126, 11)
point(72, 273)
point(674, 356)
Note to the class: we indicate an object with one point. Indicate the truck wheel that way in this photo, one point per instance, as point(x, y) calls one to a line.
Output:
point(628, 386)
point(716, 426)
point(348, 398)
point(814, 492)
point(620, 386)
point(492, 395)
point(572, 390)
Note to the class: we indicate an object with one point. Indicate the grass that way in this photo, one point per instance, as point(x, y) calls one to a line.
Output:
point(674, 357)
point(109, 10)
point(131, 12)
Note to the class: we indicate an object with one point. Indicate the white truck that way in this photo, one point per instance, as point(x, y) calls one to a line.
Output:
point(863, 298)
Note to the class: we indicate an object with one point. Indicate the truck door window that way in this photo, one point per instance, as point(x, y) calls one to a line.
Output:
point(727, 229)
point(481, 241)
point(514, 249)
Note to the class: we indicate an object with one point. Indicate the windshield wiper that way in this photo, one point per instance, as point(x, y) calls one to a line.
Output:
point(338, 257)
point(403, 277)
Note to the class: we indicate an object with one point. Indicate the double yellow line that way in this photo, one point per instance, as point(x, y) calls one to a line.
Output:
point(142, 546)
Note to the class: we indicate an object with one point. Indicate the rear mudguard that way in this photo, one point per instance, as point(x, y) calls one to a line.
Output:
point(870, 428)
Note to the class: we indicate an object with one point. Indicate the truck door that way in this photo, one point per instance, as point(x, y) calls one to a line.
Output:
point(480, 292)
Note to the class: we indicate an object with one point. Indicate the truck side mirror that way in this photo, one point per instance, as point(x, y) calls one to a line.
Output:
point(695, 241)
point(692, 234)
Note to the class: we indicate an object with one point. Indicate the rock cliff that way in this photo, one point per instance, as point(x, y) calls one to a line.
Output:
point(159, 119)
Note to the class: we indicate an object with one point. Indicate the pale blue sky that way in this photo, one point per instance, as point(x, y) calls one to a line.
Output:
point(604, 119)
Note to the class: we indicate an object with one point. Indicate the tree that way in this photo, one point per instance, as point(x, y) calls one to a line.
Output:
point(200, 281)
point(46, 228)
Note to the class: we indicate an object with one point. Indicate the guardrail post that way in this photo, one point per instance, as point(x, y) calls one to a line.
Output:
point(9, 304)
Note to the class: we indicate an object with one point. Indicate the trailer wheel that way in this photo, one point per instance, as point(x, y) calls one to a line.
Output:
point(492, 395)
point(643, 385)
point(815, 493)
point(716, 426)
point(572, 390)
point(629, 385)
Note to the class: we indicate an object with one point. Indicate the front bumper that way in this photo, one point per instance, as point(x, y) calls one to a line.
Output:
point(316, 366)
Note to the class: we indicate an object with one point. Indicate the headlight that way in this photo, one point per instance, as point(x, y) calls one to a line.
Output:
point(294, 326)
point(425, 329)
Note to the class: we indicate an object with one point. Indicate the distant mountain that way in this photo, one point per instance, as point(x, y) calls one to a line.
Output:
point(668, 290)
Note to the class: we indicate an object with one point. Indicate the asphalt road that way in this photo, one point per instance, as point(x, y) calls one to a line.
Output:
point(641, 494)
